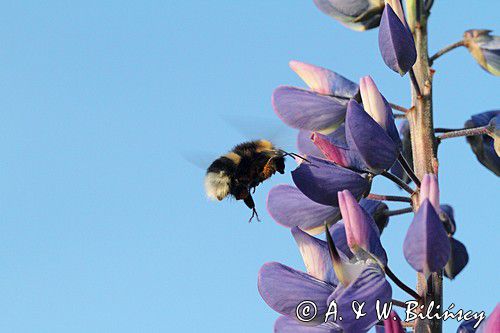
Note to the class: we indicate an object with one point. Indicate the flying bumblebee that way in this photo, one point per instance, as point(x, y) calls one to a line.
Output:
point(241, 170)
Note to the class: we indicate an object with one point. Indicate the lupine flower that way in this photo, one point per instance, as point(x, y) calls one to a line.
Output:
point(363, 236)
point(490, 325)
point(289, 207)
point(459, 256)
point(458, 259)
point(306, 146)
point(426, 246)
point(374, 208)
point(376, 147)
point(358, 15)
point(484, 145)
point(377, 210)
point(395, 39)
point(485, 48)
point(406, 151)
point(372, 140)
point(321, 108)
point(283, 288)
point(321, 180)
point(378, 108)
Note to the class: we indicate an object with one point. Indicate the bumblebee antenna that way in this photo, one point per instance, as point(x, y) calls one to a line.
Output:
point(254, 214)
point(285, 153)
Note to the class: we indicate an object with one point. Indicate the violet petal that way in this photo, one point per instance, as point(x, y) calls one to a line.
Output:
point(458, 259)
point(369, 139)
point(288, 206)
point(322, 180)
point(304, 109)
point(362, 232)
point(396, 42)
point(368, 287)
point(324, 81)
point(284, 288)
point(426, 246)
point(316, 256)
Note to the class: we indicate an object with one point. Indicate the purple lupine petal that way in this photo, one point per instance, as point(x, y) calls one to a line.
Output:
point(358, 15)
point(393, 324)
point(285, 324)
point(341, 156)
point(426, 246)
point(321, 180)
point(324, 81)
point(372, 101)
point(340, 238)
point(429, 190)
point(288, 206)
point(361, 230)
point(368, 287)
point(316, 256)
point(305, 145)
point(376, 209)
point(304, 109)
point(483, 146)
point(396, 42)
point(449, 223)
point(458, 259)
point(284, 288)
point(406, 150)
point(467, 326)
point(378, 108)
point(364, 135)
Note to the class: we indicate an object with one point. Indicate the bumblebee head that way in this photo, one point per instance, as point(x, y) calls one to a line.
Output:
point(279, 164)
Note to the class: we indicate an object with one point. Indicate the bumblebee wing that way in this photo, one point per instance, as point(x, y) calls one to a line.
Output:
point(199, 159)
point(255, 128)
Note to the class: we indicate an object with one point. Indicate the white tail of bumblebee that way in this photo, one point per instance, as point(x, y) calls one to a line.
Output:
point(217, 185)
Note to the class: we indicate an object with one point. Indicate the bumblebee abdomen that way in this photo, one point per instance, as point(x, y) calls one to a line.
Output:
point(218, 177)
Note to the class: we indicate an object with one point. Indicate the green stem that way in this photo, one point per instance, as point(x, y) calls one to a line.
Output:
point(445, 50)
point(400, 283)
point(382, 197)
point(398, 211)
point(398, 182)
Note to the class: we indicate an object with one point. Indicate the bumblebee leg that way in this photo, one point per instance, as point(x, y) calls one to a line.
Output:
point(254, 214)
point(250, 204)
point(268, 170)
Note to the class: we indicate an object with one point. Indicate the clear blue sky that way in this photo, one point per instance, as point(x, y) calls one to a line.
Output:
point(105, 228)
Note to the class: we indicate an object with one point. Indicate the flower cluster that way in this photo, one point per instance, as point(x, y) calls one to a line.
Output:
point(349, 135)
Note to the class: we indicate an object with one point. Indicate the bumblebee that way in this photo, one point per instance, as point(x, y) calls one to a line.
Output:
point(241, 170)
